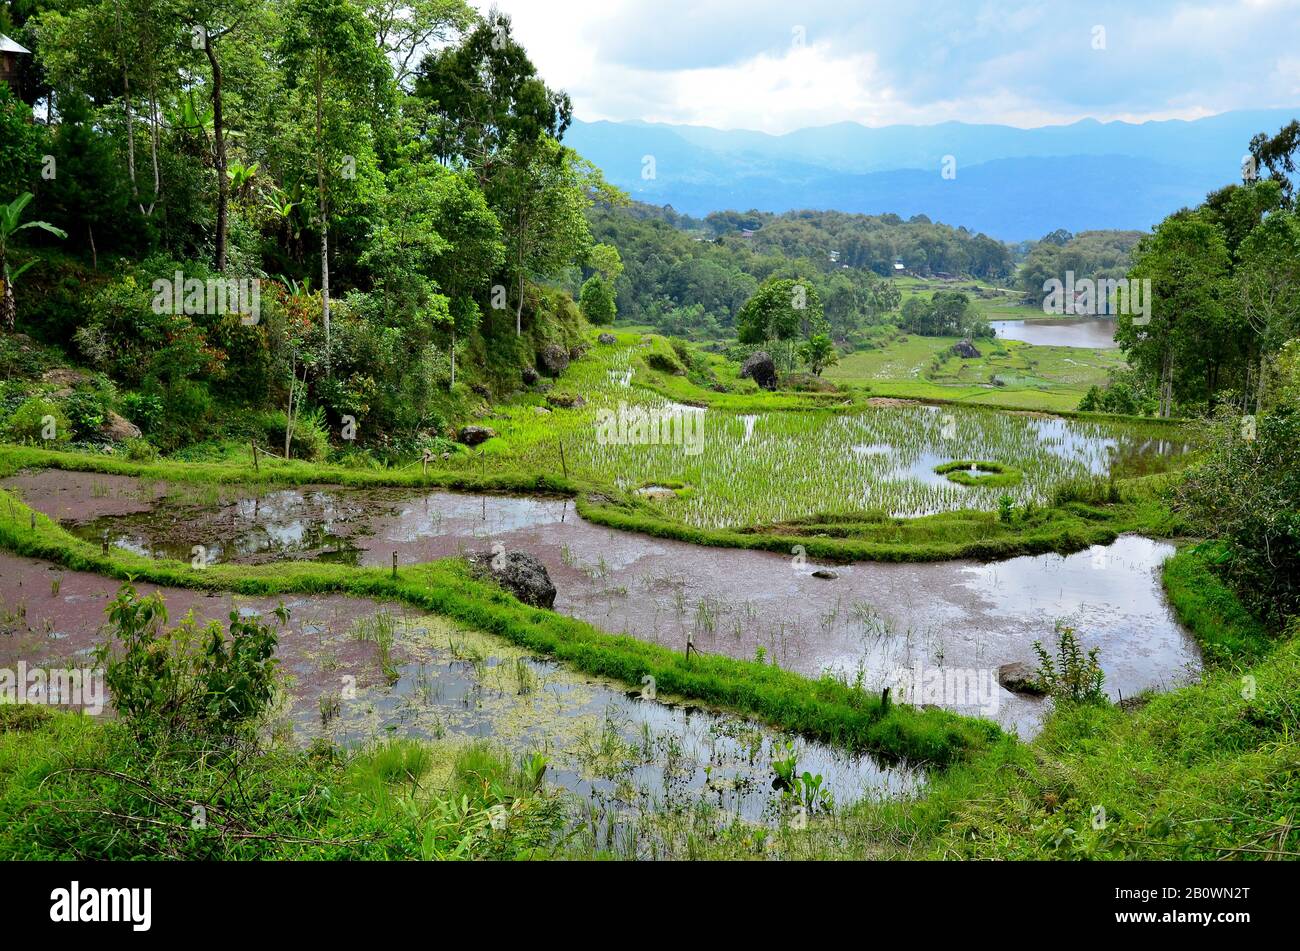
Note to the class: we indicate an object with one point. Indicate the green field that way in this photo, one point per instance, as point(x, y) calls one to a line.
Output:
point(1008, 373)
point(992, 302)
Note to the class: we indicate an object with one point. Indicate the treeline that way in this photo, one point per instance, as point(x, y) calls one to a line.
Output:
point(391, 173)
point(1225, 297)
point(692, 276)
point(1094, 255)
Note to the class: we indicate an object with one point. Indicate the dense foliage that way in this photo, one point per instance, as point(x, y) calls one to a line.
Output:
point(389, 175)
point(692, 277)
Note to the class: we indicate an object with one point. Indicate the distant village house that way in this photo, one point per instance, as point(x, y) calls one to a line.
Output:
point(9, 53)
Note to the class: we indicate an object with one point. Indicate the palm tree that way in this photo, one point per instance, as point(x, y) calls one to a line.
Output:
point(10, 215)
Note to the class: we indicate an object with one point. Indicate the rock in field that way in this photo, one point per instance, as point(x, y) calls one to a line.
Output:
point(554, 359)
point(565, 400)
point(607, 339)
point(520, 573)
point(473, 435)
point(761, 368)
point(1019, 677)
point(118, 428)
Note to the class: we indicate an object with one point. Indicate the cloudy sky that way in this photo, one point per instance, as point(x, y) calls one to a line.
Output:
point(778, 65)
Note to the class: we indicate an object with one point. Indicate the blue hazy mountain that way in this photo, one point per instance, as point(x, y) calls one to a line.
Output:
point(1010, 183)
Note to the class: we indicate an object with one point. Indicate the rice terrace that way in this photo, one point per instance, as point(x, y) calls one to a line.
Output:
point(404, 458)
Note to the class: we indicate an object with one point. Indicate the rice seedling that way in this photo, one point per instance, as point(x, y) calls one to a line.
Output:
point(757, 468)
point(381, 630)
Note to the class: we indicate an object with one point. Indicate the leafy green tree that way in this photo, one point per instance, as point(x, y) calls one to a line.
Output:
point(129, 53)
point(1268, 284)
point(491, 107)
point(605, 260)
point(1243, 496)
point(946, 314)
point(541, 208)
point(1190, 330)
point(20, 157)
point(818, 352)
point(404, 29)
point(1277, 154)
point(597, 301)
point(460, 213)
point(330, 59)
point(495, 114)
point(782, 310)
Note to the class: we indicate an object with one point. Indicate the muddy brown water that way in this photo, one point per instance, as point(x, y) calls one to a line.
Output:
point(1094, 333)
point(934, 631)
point(620, 752)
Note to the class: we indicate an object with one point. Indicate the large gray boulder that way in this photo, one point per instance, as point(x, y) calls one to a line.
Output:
point(1019, 677)
point(761, 368)
point(554, 359)
point(520, 573)
point(118, 428)
point(474, 435)
point(966, 350)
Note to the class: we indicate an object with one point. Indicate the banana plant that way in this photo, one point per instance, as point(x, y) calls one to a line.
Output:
point(190, 116)
point(281, 204)
point(10, 216)
point(241, 177)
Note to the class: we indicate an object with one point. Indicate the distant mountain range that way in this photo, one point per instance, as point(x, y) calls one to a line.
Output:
point(1010, 183)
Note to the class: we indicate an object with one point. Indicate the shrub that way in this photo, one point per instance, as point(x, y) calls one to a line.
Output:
point(186, 682)
point(143, 409)
point(140, 450)
point(35, 420)
point(665, 363)
point(86, 412)
point(1073, 677)
point(310, 438)
point(186, 414)
point(1245, 495)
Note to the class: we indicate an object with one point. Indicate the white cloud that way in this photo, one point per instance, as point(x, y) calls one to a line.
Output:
point(732, 63)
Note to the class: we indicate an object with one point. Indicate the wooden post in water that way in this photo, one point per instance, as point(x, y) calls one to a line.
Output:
point(884, 700)
point(424, 462)
point(563, 465)
point(33, 521)
point(394, 564)
point(252, 444)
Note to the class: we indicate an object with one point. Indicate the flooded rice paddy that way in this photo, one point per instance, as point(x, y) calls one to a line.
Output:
point(873, 623)
point(749, 469)
point(356, 669)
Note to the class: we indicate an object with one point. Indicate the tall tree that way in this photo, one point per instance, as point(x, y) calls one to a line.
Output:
point(1268, 283)
point(406, 29)
point(782, 310)
point(330, 58)
point(209, 22)
point(1186, 260)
